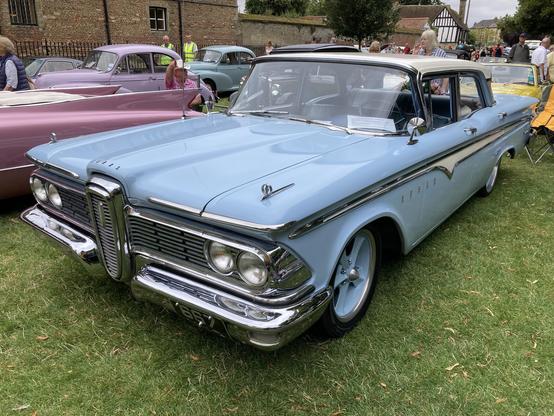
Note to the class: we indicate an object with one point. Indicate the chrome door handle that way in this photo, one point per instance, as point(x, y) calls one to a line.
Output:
point(502, 115)
point(470, 131)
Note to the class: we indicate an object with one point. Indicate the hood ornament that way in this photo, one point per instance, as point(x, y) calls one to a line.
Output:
point(268, 192)
point(53, 138)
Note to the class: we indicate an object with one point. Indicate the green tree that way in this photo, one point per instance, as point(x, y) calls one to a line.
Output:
point(316, 7)
point(277, 7)
point(362, 19)
point(535, 17)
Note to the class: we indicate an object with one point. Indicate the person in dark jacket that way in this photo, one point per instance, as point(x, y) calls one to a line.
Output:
point(520, 51)
point(12, 71)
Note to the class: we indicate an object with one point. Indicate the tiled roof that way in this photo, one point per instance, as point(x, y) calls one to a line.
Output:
point(431, 12)
point(486, 24)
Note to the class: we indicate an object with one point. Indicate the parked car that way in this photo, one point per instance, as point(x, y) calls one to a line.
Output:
point(262, 221)
point(457, 54)
point(135, 68)
point(314, 47)
point(44, 64)
point(519, 79)
point(29, 118)
point(222, 67)
point(533, 44)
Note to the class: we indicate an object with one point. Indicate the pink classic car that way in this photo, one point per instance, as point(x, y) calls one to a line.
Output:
point(30, 118)
point(133, 67)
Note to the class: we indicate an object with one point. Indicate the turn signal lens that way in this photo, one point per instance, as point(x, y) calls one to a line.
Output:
point(221, 258)
point(252, 269)
point(37, 186)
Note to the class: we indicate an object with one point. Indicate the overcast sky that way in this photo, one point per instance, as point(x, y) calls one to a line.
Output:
point(485, 9)
point(478, 9)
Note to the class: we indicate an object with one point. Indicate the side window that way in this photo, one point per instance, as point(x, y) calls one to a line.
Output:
point(139, 63)
point(225, 59)
point(161, 61)
point(233, 58)
point(122, 67)
point(245, 58)
point(470, 96)
point(438, 100)
point(51, 66)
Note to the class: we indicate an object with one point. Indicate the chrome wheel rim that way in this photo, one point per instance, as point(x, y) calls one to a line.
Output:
point(354, 275)
point(492, 178)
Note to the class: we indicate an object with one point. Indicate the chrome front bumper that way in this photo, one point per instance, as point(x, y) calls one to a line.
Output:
point(262, 326)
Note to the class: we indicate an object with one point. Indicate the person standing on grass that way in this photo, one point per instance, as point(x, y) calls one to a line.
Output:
point(539, 58)
point(12, 71)
point(189, 49)
point(429, 45)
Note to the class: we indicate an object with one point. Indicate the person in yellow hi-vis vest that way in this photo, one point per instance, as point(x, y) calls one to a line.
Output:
point(166, 60)
point(189, 49)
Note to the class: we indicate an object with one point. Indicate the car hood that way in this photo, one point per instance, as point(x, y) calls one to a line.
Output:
point(190, 162)
point(202, 66)
point(71, 76)
point(516, 89)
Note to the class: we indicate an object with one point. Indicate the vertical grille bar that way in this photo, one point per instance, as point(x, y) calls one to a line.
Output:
point(106, 206)
point(103, 223)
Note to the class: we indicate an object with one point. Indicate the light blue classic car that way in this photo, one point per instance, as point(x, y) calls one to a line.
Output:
point(222, 67)
point(272, 217)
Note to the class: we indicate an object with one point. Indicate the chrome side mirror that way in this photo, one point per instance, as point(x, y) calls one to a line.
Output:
point(416, 127)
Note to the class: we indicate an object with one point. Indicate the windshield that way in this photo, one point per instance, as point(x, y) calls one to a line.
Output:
point(355, 97)
point(100, 60)
point(33, 67)
point(208, 55)
point(508, 74)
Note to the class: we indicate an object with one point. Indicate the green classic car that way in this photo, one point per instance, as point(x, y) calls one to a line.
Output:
point(222, 67)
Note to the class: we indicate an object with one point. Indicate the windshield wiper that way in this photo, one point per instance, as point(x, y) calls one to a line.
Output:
point(327, 124)
point(259, 112)
point(378, 130)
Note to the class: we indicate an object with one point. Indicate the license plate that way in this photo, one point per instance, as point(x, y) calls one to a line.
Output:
point(199, 319)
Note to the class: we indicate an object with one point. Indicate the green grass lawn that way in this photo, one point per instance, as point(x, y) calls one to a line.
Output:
point(461, 326)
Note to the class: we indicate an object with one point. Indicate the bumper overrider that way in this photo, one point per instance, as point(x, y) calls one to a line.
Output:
point(265, 324)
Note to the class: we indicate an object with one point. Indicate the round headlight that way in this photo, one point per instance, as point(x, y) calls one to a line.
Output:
point(221, 258)
point(252, 269)
point(54, 196)
point(37, 186)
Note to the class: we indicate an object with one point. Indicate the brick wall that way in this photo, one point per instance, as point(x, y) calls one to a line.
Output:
point(257, 30)
point(209, 21)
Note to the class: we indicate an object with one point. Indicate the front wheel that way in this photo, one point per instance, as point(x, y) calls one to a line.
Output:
point(353, 284)
point(491, 181)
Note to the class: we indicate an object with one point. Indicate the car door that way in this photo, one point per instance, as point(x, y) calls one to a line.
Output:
point(134, 73)
point(450, 178)
point(230, 65)
point(245, 60)
point(161, 62)
point(57, 65)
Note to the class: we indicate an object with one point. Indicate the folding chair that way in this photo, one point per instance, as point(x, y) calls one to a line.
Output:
point(543, 124)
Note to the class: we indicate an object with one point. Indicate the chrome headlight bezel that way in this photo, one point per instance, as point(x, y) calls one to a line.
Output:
point(53, 195)
point(38, 187)
point(247, 260)
point(209, 249)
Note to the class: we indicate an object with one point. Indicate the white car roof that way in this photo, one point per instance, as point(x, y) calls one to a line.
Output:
point(421, 64)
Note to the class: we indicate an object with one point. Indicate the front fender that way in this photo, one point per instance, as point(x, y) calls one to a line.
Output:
point(321, 248)
point(222, 81)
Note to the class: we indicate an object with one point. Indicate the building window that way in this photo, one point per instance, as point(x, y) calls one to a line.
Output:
point(158, 18)
point(23, 12)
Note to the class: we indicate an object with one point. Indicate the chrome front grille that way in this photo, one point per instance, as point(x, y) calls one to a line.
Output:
point(169, 241)
point(75, 205)
point(106, 231)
